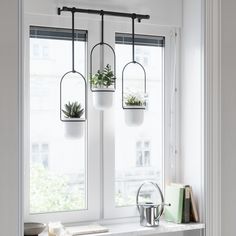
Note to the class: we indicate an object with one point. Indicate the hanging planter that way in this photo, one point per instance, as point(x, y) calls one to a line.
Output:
point(72, 112)
point(73, 106)
point(103, 82)
point(74, 125)
point(134, 110)
point(133, 104)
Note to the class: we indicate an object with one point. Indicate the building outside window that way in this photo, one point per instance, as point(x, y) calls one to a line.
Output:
point(40, 153)
point(142, 153)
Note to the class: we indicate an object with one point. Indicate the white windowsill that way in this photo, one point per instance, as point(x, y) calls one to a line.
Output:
point(126, 229)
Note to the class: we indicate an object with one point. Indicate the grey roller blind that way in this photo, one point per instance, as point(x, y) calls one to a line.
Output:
point(57, 33)
point(158, 41)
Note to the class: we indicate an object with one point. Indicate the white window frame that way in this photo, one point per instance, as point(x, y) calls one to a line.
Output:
point(170, 162)
point(101, 158)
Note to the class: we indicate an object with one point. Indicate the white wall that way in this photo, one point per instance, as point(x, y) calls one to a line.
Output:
point(228, 117)
point(191, 97)
point(162, 12)
point(9, 149)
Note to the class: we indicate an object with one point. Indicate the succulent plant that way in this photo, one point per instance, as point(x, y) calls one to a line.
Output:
point(132, 100)
point(73, 110)
point(104, 78)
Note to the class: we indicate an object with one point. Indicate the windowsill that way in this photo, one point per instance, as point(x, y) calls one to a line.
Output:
point(126, 229)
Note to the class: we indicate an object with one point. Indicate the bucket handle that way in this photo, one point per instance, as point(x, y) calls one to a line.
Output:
point(160, 192)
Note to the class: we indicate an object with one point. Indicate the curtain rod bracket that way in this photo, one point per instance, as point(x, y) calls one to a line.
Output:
point(59, 11)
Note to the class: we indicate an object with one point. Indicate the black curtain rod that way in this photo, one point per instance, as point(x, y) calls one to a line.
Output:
point(101, 12)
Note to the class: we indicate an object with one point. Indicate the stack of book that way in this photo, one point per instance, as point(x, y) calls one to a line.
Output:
point(182, 207)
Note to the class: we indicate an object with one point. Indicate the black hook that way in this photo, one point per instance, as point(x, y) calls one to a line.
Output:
point(134, 16)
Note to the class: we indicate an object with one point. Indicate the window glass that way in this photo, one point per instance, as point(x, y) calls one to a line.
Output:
point(57, 163)
point(139, 150)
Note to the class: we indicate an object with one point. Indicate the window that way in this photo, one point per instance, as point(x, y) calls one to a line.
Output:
point(138, 152)
point(99, 174)
point(57, 164)
point(142, 162)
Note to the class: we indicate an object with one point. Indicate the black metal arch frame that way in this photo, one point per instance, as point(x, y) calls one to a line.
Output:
point(85, 98)
point(91, 57)
point(134, 16)
point(74, 72)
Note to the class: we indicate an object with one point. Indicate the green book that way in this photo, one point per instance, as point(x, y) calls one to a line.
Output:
point(186, 202)
point(174, 196)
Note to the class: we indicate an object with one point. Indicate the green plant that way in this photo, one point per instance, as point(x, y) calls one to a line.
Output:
point(53, 192)
point(132, 100)
point(104, 78)
point(73, 110)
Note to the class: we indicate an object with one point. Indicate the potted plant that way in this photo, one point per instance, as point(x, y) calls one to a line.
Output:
point(134, 110)
point(102, 84)
point(74, 124)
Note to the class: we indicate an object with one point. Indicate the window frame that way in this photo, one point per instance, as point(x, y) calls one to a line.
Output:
point(100, 177)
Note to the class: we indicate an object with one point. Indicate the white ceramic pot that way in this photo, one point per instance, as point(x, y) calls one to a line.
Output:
point(134, 117)
point(74, 130)
point(103, 100)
